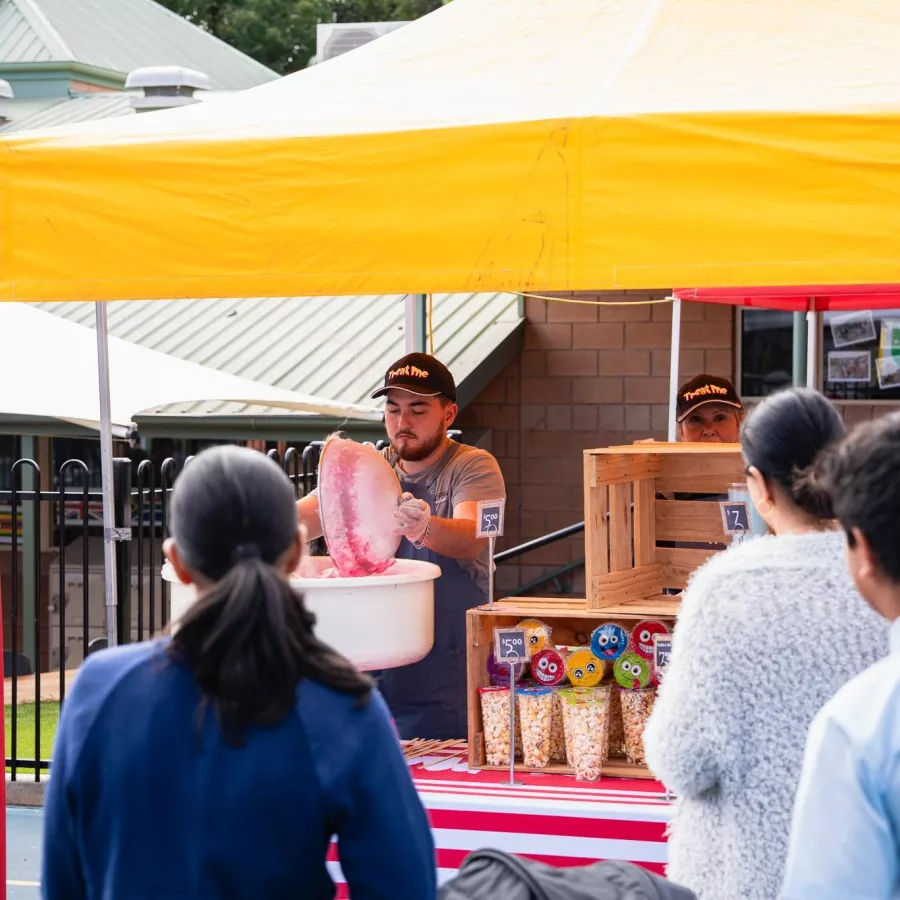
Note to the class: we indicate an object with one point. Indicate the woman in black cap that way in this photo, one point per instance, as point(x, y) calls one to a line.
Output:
point(709, 410)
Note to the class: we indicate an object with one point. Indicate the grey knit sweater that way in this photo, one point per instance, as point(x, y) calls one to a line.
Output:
point(769, 630)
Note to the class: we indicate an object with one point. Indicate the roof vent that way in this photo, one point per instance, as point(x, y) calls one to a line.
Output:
point(337, 38)
point(165, 87)
point(6, 94)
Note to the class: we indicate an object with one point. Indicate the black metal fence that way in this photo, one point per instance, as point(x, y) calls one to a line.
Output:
point(52, 579)
point(52, 582)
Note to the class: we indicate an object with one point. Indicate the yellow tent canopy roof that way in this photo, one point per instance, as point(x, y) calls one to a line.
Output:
point(516, 145)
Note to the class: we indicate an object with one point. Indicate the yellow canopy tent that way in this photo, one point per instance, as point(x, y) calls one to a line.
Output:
point(523, 144)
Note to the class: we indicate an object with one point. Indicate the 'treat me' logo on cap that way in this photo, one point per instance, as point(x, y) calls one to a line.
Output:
point(706, 390)
point(406, 372)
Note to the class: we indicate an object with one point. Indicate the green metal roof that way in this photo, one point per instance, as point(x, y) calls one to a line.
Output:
point(103, 105)
point(119, 36)
point(334, 347)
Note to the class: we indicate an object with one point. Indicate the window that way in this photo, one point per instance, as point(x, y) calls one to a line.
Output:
point(9, 453)
point(859, 353)
point(85, 449)
point(767, 351)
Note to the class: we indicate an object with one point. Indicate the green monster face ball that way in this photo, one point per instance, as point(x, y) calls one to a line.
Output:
point(632, 671)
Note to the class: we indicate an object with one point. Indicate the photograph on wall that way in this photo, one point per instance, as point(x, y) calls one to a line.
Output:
point(888, 368)
point(849, 366)
point(890, 337)
point(854, 328)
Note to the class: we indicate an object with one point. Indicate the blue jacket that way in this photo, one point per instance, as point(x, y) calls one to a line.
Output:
point(143, 805)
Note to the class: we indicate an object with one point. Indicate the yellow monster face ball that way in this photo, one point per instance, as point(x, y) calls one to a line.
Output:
point(537, 635)
point(584, 669)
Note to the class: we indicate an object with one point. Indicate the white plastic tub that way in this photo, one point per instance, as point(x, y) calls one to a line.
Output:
point(377, 622)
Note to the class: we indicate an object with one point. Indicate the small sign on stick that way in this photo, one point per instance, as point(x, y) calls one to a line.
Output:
point(662, 650)
point(489, 523)
point(509, 645)
point(735, 517)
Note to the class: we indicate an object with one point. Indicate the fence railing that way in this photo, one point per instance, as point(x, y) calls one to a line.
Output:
point(52, 579)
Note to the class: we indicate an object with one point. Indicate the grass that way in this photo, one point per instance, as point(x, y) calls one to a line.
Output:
point(25, 732)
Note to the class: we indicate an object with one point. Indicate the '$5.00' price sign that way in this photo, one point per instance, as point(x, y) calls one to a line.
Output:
point(489, 523)
point(509, 645)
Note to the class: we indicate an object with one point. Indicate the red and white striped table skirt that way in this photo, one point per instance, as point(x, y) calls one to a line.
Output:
point(551, 818)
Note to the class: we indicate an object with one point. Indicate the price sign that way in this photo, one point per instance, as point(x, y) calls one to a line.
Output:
point(509, 645)
point(662, 650)
point(735, 517)
point(490, 518)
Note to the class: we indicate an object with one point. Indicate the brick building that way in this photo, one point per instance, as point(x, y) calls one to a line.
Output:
point(592, 376)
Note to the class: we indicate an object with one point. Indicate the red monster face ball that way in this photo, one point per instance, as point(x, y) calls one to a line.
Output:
point(642, 637)
point(548, 667)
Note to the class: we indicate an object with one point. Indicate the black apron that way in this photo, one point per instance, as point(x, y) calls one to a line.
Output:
point(428, 699)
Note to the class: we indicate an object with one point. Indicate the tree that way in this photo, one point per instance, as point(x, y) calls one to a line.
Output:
point(281, 34)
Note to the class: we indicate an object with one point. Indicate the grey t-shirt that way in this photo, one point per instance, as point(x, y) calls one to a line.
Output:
point(466, 473)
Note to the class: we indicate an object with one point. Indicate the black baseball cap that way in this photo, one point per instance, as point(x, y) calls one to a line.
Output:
point(703, 389)
point(419, 373)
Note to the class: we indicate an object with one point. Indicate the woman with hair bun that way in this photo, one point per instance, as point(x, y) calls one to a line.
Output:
point(768, 631)
point(220, 763)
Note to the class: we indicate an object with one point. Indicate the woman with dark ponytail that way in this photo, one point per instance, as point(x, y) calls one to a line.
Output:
point(768, 631)
point(221, 762)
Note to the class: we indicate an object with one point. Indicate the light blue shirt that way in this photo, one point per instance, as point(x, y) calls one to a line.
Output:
point(844, 839)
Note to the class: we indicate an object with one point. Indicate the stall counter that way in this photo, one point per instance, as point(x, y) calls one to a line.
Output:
point(551, 818)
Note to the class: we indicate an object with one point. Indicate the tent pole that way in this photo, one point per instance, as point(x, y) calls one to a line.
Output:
point(800, 336)
point(674, 366)
point(409, 324)
point(415, 326)
point(106, 467)
point(812, 340)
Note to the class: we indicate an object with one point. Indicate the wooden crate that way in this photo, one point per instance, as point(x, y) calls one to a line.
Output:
point(572, 624)
point(634, 499)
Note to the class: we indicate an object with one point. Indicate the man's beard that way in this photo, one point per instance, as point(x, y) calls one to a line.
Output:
point(419, 451)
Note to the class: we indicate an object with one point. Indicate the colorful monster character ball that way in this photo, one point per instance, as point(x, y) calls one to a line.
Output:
point(609, 641)
point(537, 635)
point(632, 671)
point(583, 668)
point(548, 667)
point(642, 637)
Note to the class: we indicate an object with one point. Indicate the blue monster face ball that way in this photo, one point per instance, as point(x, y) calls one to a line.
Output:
point(609, 641)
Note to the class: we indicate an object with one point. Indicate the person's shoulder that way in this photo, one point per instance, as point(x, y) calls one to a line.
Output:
point(468, 457)
point(335, 711)
point(340, 729)
point(869, 703)
point(748, 568)
point(106, 668)
point(100, 676)
point(814, 550)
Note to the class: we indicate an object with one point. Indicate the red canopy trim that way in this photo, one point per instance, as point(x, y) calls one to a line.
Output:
point(826, 298)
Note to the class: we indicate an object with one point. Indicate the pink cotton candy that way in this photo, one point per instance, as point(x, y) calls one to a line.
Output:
point(358, 493)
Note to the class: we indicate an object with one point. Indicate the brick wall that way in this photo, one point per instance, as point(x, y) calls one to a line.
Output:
point(589, 376)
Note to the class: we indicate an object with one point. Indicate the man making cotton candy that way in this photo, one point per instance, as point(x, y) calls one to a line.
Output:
point(442, 482)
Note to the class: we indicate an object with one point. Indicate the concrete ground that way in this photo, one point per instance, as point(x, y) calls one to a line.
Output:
point(23, 853)
point(25, 687)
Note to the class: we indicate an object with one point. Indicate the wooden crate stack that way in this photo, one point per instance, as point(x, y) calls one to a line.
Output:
point(635, 497)
point(623, 563)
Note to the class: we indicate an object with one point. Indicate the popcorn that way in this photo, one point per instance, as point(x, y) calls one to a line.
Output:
point(615, 737)
point(636, 709)
point(495, 718)
point(536, 712)
point(557, 731)
point(585, 726)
